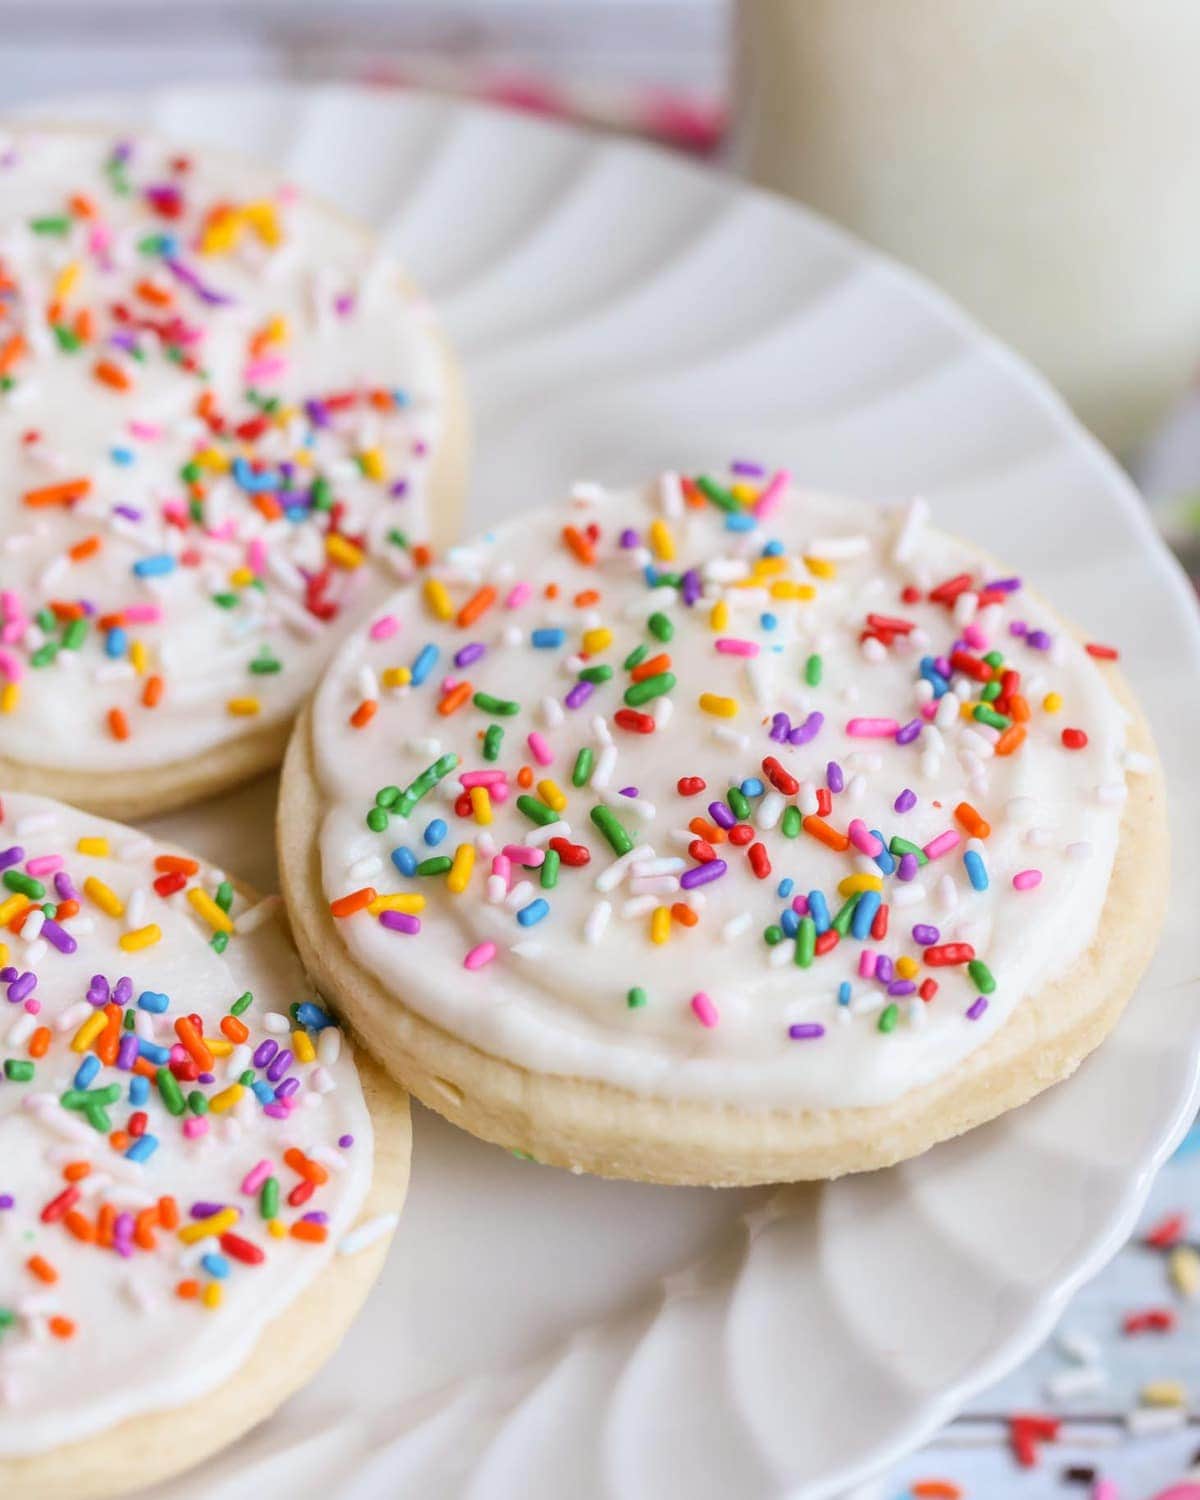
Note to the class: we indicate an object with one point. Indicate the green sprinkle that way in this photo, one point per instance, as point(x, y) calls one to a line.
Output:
point(17, 1070)
point(398, 538)
point(985, 715)
point(44, 655)
point(491, 742)
point(636, 657)
point(168, 1088)
point(17, 880)
point(45, 619)
point(888, 1017)
point(899, 846)
point(264, 664)
point(607, 822)
point(773, 935)
point(536, 810)
point(602, 673)
point(246, 1078)
point(812, 671)
point(504, 707)
point(994, 658)
point(223, 895)
point(792, 822)
point(990, 691)
point(198, 1102)
point(268, 1198)
point(636, 997)
point(51, 224)
point(439, 864)
point(387, 796)
point(660, 626)
point(718, 495)
point(425, 783)
point(550, 869)
point(67, 339)
point(806, 942)
point(649, 687)
point(841, 923)
point(91, 1098)
point(582, 769)
point(377, 819)
point(219, 942)
point(981, 976)
point(242, 1004)
point(738, 802)
point(191, 472)
point(225, 601)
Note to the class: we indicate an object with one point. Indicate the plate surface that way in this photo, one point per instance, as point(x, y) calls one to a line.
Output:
point(538, 1335)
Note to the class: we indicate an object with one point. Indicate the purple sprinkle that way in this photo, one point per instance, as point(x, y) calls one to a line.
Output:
point(20, 989)
point(58, 936)
point(900, 987)
point(721, 815)
point(400, 921)
point(905, 802)
point(123, 1234)
point(205, 1210)
point(977, 1009)
point(747, 466)
point(780, 727)
point(192, 281)
point(127, 1051)
point(10, 857)
point(942, 667)
point(885, 970)
point(287, 1088)
point(469, 653)
point(206, 1078)
point(909, 732)
point(264, 1052)
point(316, 412)
point(1017, 628)
point(1040, 640)
point(280, 1063)
point(908, 866)
point(343, 304)
point(807, 731)
point(579, 694)
point(277, 1111)
point(316, 1216)
point(123, 991)
point(399, 489)
point(629, 791)
point(926, 935)
point(7, 974)
point(806, 1031)
point(702, 874)
point(130, 512)
point(835, 779)
point(7, 1201)
point(691, 587)
point(345, 1142)
point(1002, 586)
point(65, 887)
point(629, 537)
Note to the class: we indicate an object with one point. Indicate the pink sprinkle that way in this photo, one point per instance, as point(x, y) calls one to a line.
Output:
point(195, 1126)
point(147, 431)
point(34, 1007)
point(256, 1176)
point(384, 628)
point(10, 603)
point(705, 1010)
point(1106, 1489)
point(517, 595)
point(256, 555)
point(482, 778)
point(501, 865)
point(975, 637)
point(481, 954)
point(866, 963)
point(929, 710)
point(772, 494)
point(539, 749)
point(175, 510)
point(863, 839)
point(872, 729)
point(800, 905)
point(266, 368)
point(13, 631)
point(524, 854)
point(1026, 880)
point(10, 665)
point(142, 614)
point(732, 646)
point(943, 844)
point(44, 864)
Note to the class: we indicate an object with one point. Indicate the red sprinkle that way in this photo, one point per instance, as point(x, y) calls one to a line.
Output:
point(943, 954)
point(1074, 739)
point(629, 718)
point(690, 786)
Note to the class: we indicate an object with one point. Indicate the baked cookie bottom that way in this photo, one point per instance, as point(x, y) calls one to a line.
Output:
point(595, 1127)
point(157, 1445)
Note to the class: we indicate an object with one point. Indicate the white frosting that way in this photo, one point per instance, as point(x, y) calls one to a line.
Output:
point(554, 998)
point(309, 310)
point(137, 1346)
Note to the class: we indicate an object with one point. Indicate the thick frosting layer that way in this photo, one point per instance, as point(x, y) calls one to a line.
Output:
point(719, 790)
point(183, 1138)
point(219, 405)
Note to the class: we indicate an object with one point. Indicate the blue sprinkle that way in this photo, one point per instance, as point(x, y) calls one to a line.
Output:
point(864, 914)
point(122, 456)
point(115, 642)
point(884, 858)
point(139, 1091)
point(143, 1148)
point(256, 484)
point(773, 548)
point(404, 860)
point(976, 869)
point(216, 1265)
point(741, 520)
point(155, 566)
point(435, 833)
point(263, 1091)
point(932, 676)
point(400, 397)
point(752, 787)
point(297, 512)
point(531, 915)
point(86, 1071)
point(153, 1001)
point(768, 621)
point(421, 668)
point(818, 910)
point(785, 887)
point(650, 574)
point(844, 992)
point(312, 1017)
point(152, 1052)
point(790, 922)
point(548, 637)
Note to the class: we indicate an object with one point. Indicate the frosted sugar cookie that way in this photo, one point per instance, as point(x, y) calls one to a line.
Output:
point(197, 1186)
point(227, 426)
point(716, 832)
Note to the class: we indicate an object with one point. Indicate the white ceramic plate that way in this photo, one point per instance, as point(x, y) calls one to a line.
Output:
point(537, 1335)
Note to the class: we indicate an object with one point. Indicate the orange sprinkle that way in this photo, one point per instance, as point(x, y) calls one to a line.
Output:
point(39, 1042)
point(85, 325)
point(364, 713)
point(454, 699)
point(579, 545)
point(143, 1229)
point(346, 906)
point(42, 1269)
point(684, 914)
point(826, 835)
point(188, 1289)
point(82, 206)
point(76, 1171)
point(651, 668)
point(106, 1221)
point(477, 605)
point(157, 296)
point(692, 493)
point(311, 1171)
point(168, 1213)
point(153, 691)
point(268, 507)
point(110, 1038)
point(237, 1031)
point(88, 547)
point(80, 1226)
point(707, 831)
point(1012, 739)
point(118, 724)
point(305, 1229)
point(65, 910)
point(935, 1489)
point(1018, 708)
point(119, 1140)
point(978, 827)
point(193, 1044)
point(586, 598)
point(422, 555)
point(111, 375)
point(11, 352)
point(64, 610)
point(551, 591)
point(175, 864)
point(525, 777)
point(61, 1328)
point(65, 493)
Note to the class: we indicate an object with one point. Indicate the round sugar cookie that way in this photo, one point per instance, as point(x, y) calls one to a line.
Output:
point(228, 427)
point(197, 1184)
point(715, 832)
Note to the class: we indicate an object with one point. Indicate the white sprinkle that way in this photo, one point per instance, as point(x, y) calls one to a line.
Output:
point(552, 713)
point(654, 885)
point(611, 877)
point(670, 495)
point(770, 810)
point(903, 895)
point(1085, 1380)
point(639, 906)
point(329, 1045)
point(1146, 1421)
point(1079, 1348)
point(368, 1234)
point(1081, 850)
point(276, 1023)
point(606, 763)
point(597, 920)
point(734, 928)
point(912, 523)
point(1136, 763)
point(728, 736)
point(1112, 793)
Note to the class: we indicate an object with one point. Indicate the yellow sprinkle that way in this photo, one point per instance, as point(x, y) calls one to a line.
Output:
point(140, 937)
point(139, 657)
point(277, 1229)
point(853, 884)
point(437, 596)
point(1184, 1268)
point(221, 233)
point(820, 567)
point(211, 1295)
point(215, 1224)
point(481, 804)
point(719, 616)
point(784, 588)
point(301, 456)
point(278, 330)
point(64, 282)
point(412, 903)
point(212, 459)
point(743, 492)
point(104, 896)
point(460, 871)
point(597, 640)
point(966, 710)
point(342, 551)
point(769, 567)
point(372, 464)
point(1052, 702)
point(205, 907)
point(10, 696)
point(243, 708)
point(660, 924)
point(3, 954)
point(396, 677)
point(722, 708)
point(302, 1047)
point(1163, 1393)
point(242, 578)
point(89, 1031)
point(11, 907)
point(264, 220)
point(906, 967)
point(219, 1046)
point(552, 794)
point(661, 540)
point(226, 1099)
